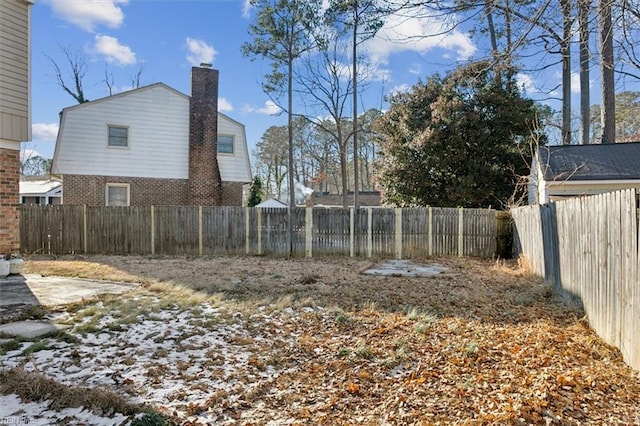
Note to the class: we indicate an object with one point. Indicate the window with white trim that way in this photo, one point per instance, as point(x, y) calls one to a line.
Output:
point(225, 144)
point(118, 136)
point(117, 194)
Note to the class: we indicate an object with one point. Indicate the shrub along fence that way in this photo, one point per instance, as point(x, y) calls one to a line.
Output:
point(193, 230)
point(588, 248)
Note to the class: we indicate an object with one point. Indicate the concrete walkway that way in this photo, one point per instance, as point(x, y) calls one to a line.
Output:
point(18, 292)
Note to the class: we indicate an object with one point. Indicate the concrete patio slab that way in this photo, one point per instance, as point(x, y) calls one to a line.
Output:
point(18, 292)
point(30, 329)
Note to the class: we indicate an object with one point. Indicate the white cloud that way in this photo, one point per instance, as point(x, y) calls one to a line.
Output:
point(199, 52)
point(88, 14)
point(269, 108)
point(575, 82)
point(526, 83)
point(224, 105)
point(44, 131)
point(111, 48)
point(246, 8)
point(400, 89)
point(419, 34)
point(415, 69)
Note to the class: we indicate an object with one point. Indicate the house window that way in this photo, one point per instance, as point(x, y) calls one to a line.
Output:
point(225, 144)
point(118, 136)
point(117, 194)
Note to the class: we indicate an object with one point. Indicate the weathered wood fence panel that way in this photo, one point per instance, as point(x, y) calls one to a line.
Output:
point(588, 248)
point(196, 230)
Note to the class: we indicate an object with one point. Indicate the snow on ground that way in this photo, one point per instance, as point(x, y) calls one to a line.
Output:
point(169, 359)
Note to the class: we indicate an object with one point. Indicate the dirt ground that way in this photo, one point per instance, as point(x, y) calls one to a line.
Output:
point(484, 343)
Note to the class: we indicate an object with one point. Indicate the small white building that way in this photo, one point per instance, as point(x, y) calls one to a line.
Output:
point(566, 171)
point(40, 190)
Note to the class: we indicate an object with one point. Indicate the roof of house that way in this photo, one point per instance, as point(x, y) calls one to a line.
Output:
point(365, 199)
point(272, 202)
point(41, 186)
point(620, 161)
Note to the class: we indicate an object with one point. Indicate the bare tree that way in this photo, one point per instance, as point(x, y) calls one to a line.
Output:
point(108, 79)
point(78, 64)
point(135, 78)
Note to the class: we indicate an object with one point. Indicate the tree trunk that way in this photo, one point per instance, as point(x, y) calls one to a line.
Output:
point(565, 49)
point(356, 200)
point(292, 190)
point(585, 94)
point(607, 110)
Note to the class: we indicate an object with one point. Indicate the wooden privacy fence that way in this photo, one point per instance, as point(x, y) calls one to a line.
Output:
point(193, 230)
point(588, 248)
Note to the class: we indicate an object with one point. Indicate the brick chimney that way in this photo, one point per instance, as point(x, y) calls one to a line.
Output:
point(205, 184)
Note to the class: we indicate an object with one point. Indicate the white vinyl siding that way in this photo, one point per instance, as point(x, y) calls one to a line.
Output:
point(234, 167)
point(157, 122)
point(117, 194)
point(14, 70)
point(158, 136)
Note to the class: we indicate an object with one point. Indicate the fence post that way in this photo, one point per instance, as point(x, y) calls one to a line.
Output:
point(259, 230)
point(352, 225)
point(398, 233)
point(308, 227)
point(247, 241)
point(84, 227)
point(430, 242)
point(369, 232)
point(460, 232)
point(200, 244)
point(153, 231)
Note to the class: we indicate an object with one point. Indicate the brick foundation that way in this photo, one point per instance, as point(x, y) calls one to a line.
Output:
point(90, 190)
point(9, 198)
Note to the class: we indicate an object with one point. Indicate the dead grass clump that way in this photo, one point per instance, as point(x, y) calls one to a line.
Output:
point(36, 387)
point(80, 269)
point(520, 267)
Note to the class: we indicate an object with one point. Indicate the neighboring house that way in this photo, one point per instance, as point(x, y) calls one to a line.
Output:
point(272, 203)
point(15, 112)
point(565, 171)
point(365, 199)
point(153, 146)
point(40, 190)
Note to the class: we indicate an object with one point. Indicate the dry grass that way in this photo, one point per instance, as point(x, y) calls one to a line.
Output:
point(36, 387)
point(487, 343)
point(78, 267)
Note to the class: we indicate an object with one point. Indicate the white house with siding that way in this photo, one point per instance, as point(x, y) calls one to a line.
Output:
point(15, 112)
point(566, 171)
point(133, 148)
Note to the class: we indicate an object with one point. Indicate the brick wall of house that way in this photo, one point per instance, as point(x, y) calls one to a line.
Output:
point(232, 194)
point(91, 190)
point(9, 198)
point(205, 184)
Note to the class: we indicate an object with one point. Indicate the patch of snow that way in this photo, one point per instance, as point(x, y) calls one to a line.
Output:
point(406, 268)
point(168, 360)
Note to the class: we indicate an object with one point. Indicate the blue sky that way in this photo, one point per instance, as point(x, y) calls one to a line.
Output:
point(167, 37)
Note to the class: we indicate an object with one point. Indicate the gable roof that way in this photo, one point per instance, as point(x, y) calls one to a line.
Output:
point(125, 93)
point(42, 186)
point(620, 161)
